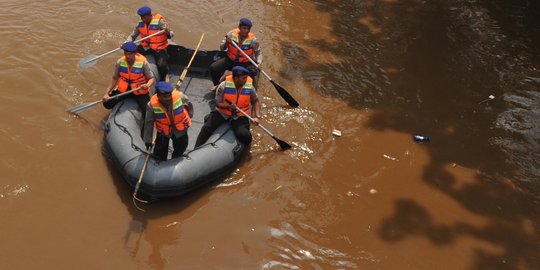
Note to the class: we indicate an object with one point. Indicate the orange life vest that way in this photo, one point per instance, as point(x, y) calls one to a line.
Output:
point(233, 53)
point(157, 43)
point(132, 76)
point(241, 99)
point(181, 119)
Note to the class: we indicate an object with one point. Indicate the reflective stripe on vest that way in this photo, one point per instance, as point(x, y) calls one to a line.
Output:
point(162, 118)
point(242, 99)
point(133, 76)
point(233, 53)
point(158, 42)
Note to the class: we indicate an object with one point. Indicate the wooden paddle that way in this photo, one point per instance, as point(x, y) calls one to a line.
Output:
point(177, 87)
point(91, 60)
point(282, 92)
point(282, 144)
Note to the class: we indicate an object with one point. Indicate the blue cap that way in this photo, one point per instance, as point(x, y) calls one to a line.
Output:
point(164, 87)
point(245, 22)
point(239, 70)
point(129, 46)
point(144, 10)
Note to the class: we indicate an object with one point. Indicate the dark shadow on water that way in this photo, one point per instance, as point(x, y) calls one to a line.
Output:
point(424, 67)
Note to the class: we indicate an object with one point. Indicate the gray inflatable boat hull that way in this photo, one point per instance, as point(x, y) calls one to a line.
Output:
point(174, 177)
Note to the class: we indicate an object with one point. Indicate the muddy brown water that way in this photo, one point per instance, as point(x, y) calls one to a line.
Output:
point(378, 71)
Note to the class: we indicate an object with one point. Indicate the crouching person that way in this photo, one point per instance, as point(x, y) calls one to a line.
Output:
point(237, 88)
point(168, 110)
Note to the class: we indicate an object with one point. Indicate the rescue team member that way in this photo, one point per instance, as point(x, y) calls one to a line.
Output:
point(157, 45)
point(168, 110)
point(237, 88)
point(131, 71)
point(245, 40)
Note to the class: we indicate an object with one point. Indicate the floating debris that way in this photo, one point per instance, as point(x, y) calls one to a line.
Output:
point(420, 138)
point(490, 97)
point(390, 158)
point(336, 132)
point(372, 191)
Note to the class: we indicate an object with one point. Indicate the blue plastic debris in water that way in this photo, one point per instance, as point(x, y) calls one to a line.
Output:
point(420, 138)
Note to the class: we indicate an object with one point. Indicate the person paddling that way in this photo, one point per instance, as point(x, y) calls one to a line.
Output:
point(168, 110)
point(131, 71)
point(247, 42)
point(157, 46)
point(237, 88)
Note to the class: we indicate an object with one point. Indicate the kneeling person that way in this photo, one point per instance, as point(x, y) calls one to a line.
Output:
point(237, 88)
point(168, 109)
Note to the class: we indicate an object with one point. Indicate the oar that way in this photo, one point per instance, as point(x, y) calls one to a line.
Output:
point(177, 87)
point(85, 106)
point(138, 185)
point(91, 60)
point(282, 144)
point(184, 72)
point(282, 92)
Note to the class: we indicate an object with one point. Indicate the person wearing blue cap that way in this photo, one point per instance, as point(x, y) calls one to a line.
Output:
point(247, 41)
point(131, 71)
point(157, 45)
point(237, 88)
point(169, 110)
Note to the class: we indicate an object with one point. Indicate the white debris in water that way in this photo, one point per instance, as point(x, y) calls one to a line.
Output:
point(336, 132)
point(307, 254)
point(372, 191)
point(389, 157)
point(49, 144)
point(172, 224)
point(491, 97)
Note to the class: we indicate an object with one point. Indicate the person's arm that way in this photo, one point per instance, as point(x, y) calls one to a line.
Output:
point(133, 35)
point(220, 102)
point(256, 107)
point(257, 51)
point(148, 125)
point(224, 41)
point(112, 84)
point(148, 74)
point(165, 26)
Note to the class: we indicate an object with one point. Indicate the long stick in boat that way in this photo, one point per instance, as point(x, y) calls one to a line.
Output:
point(177, 87)
point(281, 91)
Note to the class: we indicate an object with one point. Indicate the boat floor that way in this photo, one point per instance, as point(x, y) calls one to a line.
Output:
point(196, 86)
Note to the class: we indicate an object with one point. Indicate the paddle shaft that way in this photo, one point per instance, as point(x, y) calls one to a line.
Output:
point(85, 106)
point(136, 41)
point(185, 71)
point(251, 60)
point(249, 117)
point(281, 91)
point(138, 185)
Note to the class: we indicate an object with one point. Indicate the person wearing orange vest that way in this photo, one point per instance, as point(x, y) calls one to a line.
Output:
point(245, 40)
point(169, 111)
point(237, 88)
point(131, 71)
point(157, 45)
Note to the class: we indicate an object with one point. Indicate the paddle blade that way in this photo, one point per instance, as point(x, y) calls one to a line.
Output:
point(284, 146)
point(83, 107)
point(88, 61)
point(285, 95)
